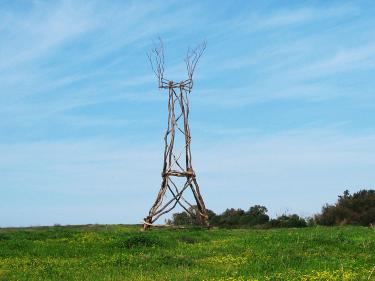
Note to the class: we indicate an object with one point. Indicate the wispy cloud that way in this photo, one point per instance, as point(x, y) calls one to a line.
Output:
point(359, 57)
point(41, 30)
point(303, 15)
point(266, 19)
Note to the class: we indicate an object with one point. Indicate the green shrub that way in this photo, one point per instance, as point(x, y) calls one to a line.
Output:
point(4, 236)
point(141, 240)
point(256, 215)
point(231, 217)
point(288, 221)
point(182, 218)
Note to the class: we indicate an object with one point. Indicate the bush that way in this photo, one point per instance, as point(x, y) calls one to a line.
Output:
point(256, 215)
point(213, 219)
point(4, 236)
point(191, 218)
point(141, 240)
point(182, 218)
point(288, 221)
point(231, 217)
point(356, 209)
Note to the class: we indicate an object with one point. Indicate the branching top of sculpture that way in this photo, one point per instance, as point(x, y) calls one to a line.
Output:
point(156, 58)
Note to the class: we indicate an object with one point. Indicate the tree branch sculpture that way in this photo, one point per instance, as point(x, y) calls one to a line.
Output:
point(178, 123)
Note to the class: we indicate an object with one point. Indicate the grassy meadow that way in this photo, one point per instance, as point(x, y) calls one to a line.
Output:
point(116, 252)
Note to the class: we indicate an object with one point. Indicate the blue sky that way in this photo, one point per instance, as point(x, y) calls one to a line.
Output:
point(282, 110)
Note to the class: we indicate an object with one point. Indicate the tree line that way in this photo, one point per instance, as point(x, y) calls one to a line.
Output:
point(350, 209)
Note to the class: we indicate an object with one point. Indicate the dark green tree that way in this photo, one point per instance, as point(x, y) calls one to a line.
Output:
point(231, 217)
point(256, 215)
point(356, 209)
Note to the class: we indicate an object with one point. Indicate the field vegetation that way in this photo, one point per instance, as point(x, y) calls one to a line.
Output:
point(336, 245)
point(117, 252)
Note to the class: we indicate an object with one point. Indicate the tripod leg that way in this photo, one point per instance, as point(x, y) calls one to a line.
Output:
point(148, 220)
point(202, 211)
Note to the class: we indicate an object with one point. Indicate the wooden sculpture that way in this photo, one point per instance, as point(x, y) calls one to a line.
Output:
point(178, 123)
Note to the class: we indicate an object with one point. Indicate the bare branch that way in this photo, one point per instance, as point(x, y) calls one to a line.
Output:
point(156, 59)
point(192, 58)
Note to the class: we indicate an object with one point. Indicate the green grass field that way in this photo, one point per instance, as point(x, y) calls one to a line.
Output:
point(124, 253)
